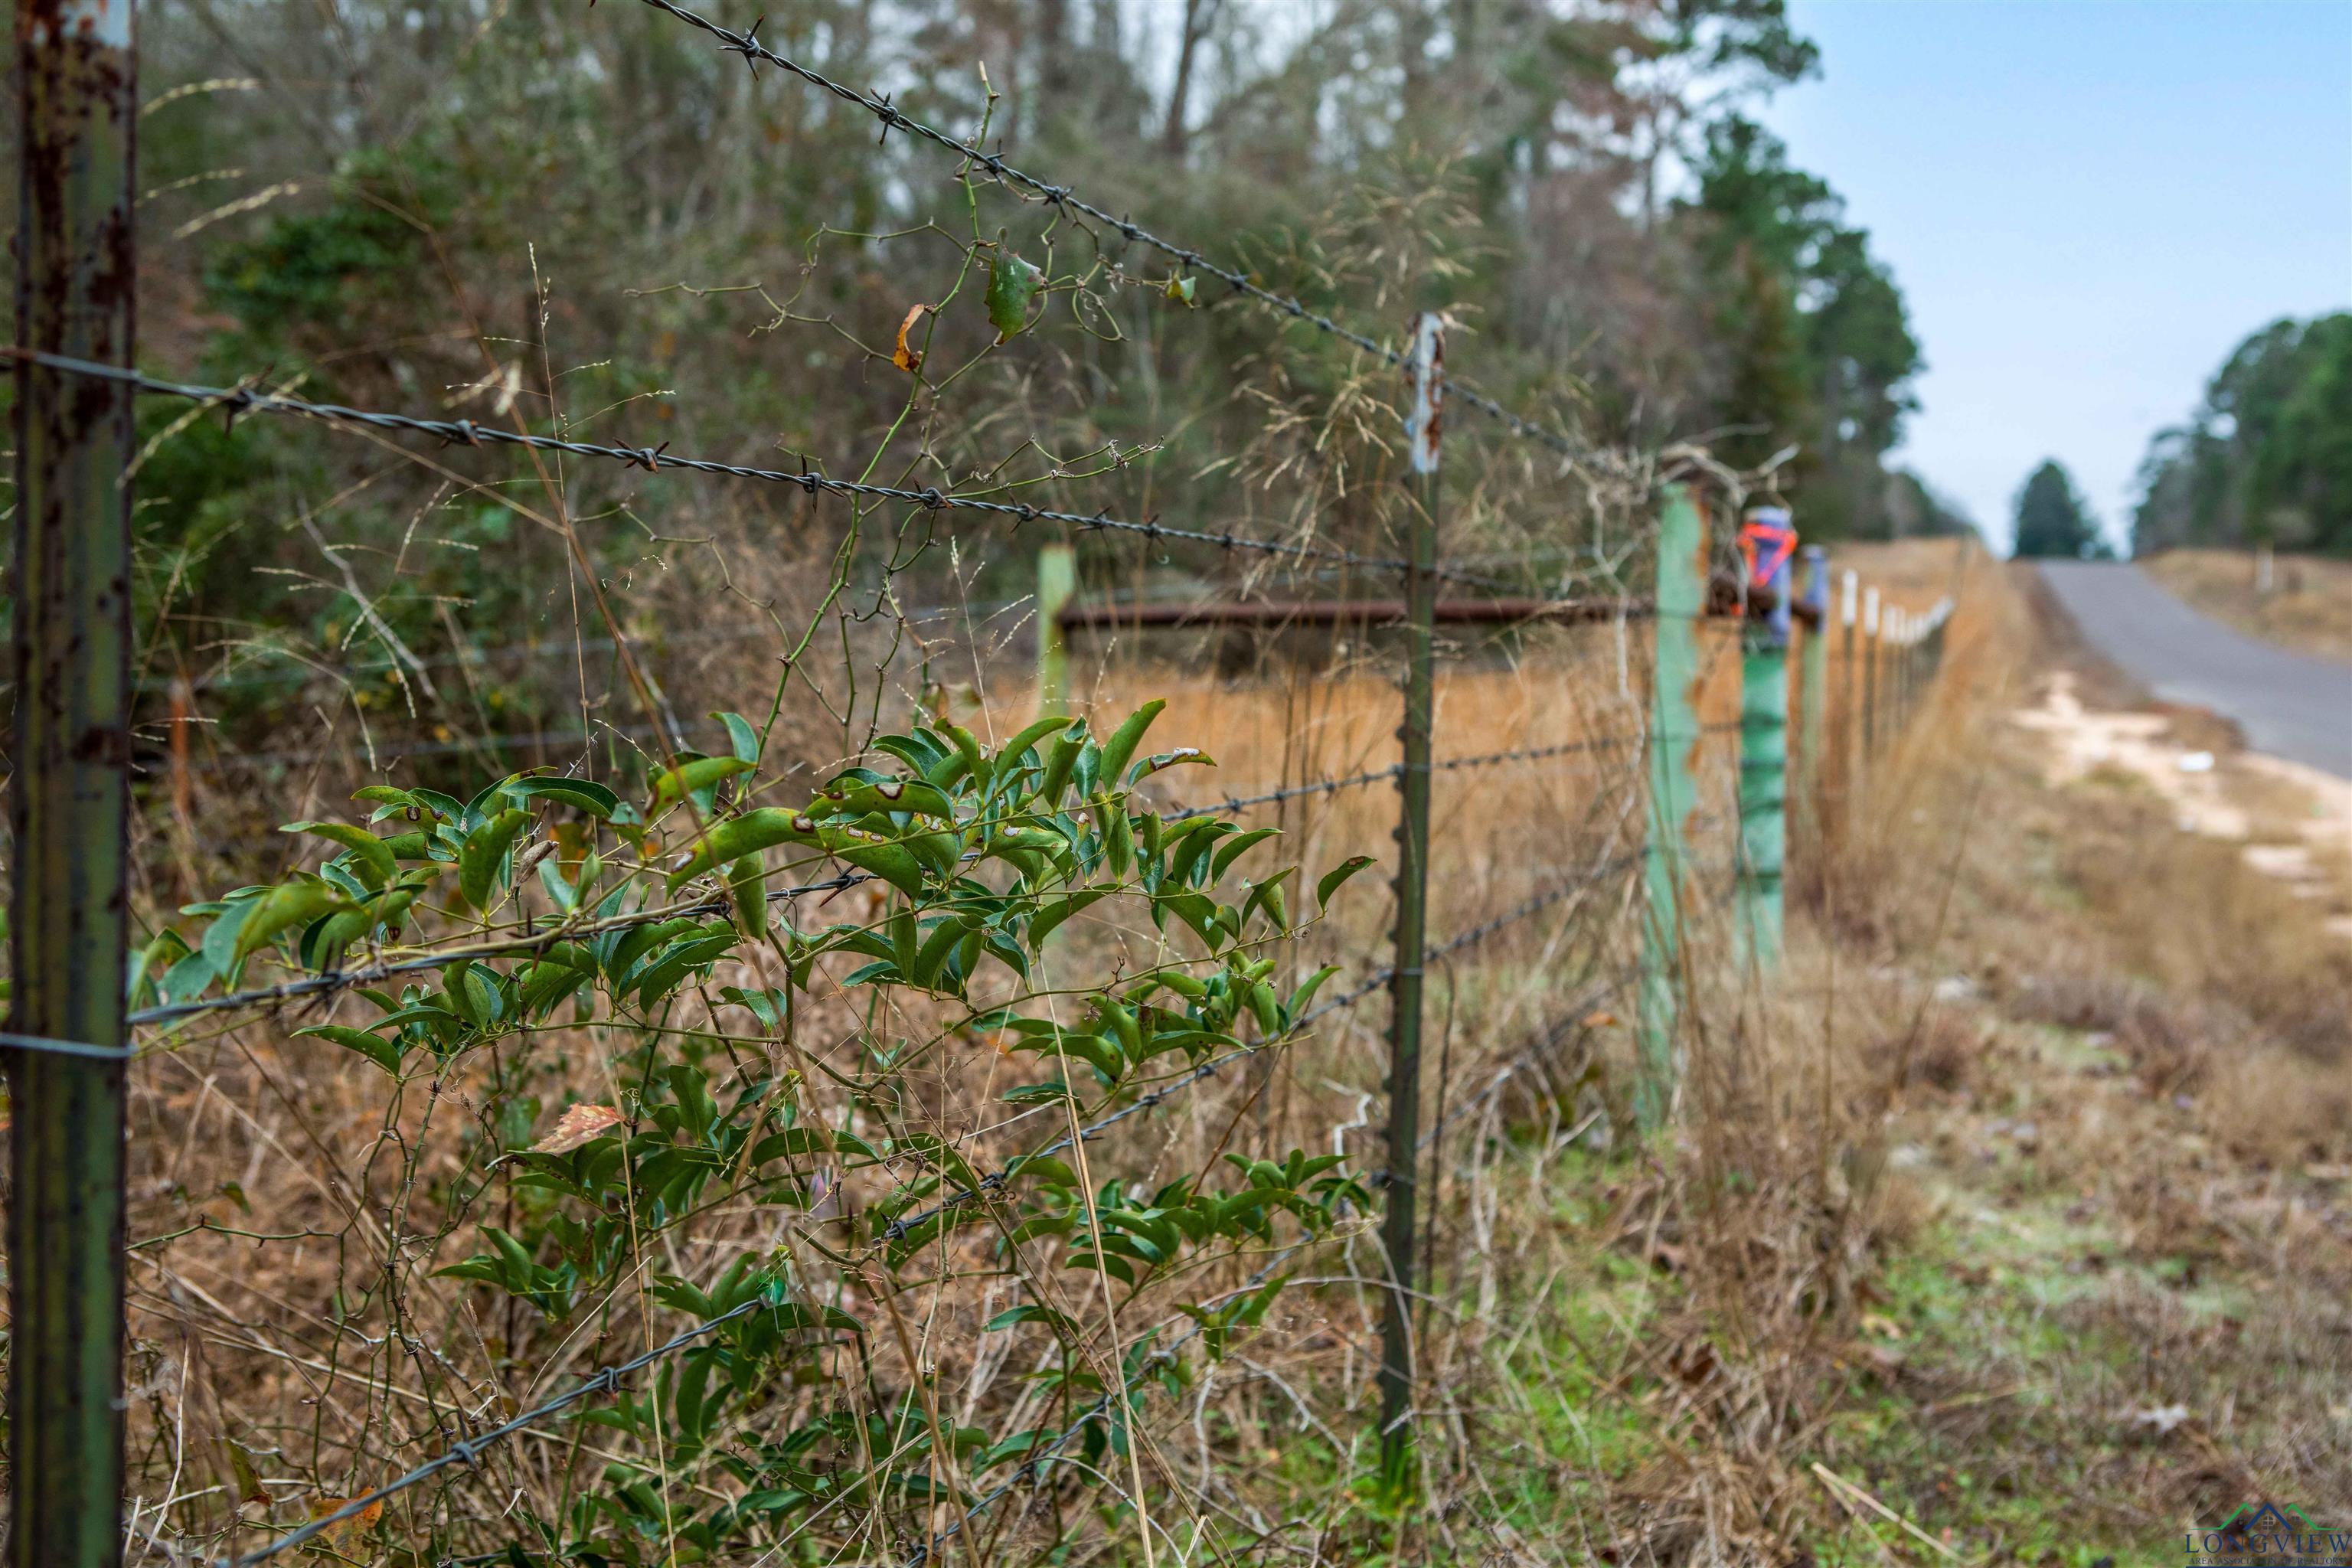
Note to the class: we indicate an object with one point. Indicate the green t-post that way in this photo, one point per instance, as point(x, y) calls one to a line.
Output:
point(1674, 738)
point(1764, 770)
point(1057, 584)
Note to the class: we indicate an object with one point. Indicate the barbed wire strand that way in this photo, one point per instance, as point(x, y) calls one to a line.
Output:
point(470, 1450)
point(243, 399)
point(346, 979)
point(1381, 775)
point(336, 981)
point(896, 119)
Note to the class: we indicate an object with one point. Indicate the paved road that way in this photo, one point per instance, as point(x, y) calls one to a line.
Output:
point(2291, 705)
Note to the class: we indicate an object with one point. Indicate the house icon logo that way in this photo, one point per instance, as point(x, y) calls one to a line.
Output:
point(2267, 1535)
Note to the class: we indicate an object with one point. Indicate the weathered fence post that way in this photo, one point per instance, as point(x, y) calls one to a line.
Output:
point(1869, 678)
point(1849, 673)
point(77, 74)
point(1814, 692)
point(1908, 666)
point(1907, 649)
point(1057, 584)
point(1890, 674)
point(1764, 741)
point(1674, 734)
point(1426, 367)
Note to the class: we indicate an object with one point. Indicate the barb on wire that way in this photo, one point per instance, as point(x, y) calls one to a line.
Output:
point(893, 118)
point(246, 400)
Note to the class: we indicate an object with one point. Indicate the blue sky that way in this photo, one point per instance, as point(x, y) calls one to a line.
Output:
point(2087, 203)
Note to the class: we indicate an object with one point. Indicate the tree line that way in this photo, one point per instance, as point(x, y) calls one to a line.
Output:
point(2266, 459)
point(593, 217)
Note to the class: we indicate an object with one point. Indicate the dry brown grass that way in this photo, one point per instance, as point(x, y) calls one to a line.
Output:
point(1632, 1350)
point(2309, 607)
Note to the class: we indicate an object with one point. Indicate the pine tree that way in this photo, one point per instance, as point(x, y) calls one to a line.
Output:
point(2051, 519)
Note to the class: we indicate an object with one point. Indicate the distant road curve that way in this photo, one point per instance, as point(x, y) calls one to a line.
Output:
point(2290, 705)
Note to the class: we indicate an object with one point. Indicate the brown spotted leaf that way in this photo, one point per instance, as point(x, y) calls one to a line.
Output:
point(342, 1535)
point(577, 1125)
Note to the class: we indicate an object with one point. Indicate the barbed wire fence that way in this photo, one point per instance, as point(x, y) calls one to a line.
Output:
point(774, 1417)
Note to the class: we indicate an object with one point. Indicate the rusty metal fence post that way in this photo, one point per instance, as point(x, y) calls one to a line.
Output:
point(1426, 367)
point(77, 75)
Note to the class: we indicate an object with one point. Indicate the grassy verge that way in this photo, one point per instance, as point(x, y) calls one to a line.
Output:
point(2012, 1228)
point(2309, 605)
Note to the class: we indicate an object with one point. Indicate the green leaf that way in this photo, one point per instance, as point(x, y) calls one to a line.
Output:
point(1118, 838)
point(1336, 875)
point(1043, 1167)
point(1012, 284)
point(1233, 848)
point(582, 794)
point(292, 904)
point(1059, 765)
point(747, 884)
point(384, 1053)
point(1161, 761)
point(397, 798)
point(1031, 1311)
point(688, 777)
point(860, 798)
point(1008, 755)
point(372, 857)
point(893, 863)
point(933, 954)
point(1052, 1093)
point(743, 740)
point(1052, 912)
point(1306, 992)
point(485, 852)
point(1197, 910)
point(1122, 745)
point(747, 834)
point(1268, 895)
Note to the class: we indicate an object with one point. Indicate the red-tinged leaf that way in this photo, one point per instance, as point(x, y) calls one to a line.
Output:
point(579, 1124)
